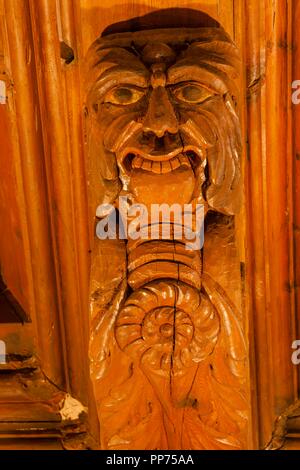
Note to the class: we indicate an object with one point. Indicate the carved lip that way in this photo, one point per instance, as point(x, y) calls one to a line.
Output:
point(160, 163)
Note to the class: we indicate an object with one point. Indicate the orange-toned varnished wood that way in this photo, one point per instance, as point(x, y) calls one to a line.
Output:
point(47, 238)
point(167, 133)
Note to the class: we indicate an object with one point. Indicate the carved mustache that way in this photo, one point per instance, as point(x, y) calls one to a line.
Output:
point(194, 130)
point(137, 149)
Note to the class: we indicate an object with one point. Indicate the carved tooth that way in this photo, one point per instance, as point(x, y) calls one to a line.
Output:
point(156, 167)
point(147, 165)
point(175, 163)
point(137, 162)
point(184, 160)
point(166, 167)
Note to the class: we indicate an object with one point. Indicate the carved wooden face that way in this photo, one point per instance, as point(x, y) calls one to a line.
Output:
point(163, 118)
point(163, 128)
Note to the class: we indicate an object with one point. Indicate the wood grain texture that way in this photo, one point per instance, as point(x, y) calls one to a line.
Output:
point(277, 215)
point(269, 134)
point(35, 227)
point(44, 249)
point(97, 16)
point(295, 160)
point(11, 200)
point(166, 130)
point(57, 145)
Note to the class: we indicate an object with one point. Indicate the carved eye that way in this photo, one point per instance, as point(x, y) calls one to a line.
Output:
point(192, 93)
point(124, 95)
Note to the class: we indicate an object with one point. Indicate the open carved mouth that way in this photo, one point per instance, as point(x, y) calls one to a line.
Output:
point(160, 164)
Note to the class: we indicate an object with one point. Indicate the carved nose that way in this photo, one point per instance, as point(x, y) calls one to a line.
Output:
point(160, 117)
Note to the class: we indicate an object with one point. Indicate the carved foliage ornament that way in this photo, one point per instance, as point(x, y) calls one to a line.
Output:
point(167, 350)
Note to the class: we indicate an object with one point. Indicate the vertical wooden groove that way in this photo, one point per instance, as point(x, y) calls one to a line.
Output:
point(270, 207)
point(40, 264)
point(240, 24)
point(256, 221)
point(291, 185)
point(277, 216)
point(296, 164)
point(59, 166)
point(68, 26)
point(74, 107)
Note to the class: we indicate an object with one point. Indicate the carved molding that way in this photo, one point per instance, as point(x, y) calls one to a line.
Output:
point(286, 433)
point(39, 415)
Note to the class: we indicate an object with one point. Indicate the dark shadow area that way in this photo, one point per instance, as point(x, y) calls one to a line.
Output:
point(10, 310)
point(166, 18)
point(66, 53)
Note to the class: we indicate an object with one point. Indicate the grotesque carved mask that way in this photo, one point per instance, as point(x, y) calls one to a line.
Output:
point(162, 107)
point(167, 351)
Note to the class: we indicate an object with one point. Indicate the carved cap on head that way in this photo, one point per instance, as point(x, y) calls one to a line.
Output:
point(165, 45)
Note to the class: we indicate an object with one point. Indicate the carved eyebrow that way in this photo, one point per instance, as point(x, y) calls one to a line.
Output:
point(119, 74)
point(210, 77)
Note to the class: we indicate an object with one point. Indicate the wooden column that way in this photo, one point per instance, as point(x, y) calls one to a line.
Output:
point(269, 201)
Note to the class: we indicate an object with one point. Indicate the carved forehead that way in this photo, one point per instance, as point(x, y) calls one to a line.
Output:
point(209, 49)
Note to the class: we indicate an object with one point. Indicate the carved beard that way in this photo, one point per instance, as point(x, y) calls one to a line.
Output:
point(174, 337)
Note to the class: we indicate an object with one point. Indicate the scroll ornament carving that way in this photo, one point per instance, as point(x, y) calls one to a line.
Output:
point(167, 351)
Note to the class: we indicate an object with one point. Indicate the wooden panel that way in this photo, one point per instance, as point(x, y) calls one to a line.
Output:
point(11, 238)
point(57, 147)
point(60, 100)
point(44, 249)
point(12, 243)
point(97, 15)
point(28, 159)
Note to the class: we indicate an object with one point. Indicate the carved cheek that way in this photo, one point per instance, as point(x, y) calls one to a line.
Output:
point(201, 125)
point(116, 129)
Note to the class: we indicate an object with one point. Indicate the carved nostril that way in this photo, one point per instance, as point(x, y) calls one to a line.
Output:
point(160, 143)
point(161, 116)
point(162, 129)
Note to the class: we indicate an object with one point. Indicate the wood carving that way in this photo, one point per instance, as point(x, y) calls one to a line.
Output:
point(167, 350)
